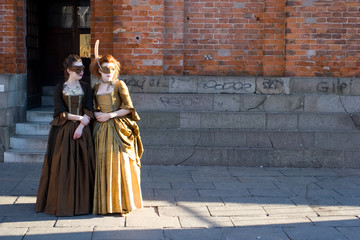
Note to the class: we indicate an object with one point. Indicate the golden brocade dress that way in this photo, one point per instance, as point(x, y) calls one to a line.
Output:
point(118, 149)
point(67, 178)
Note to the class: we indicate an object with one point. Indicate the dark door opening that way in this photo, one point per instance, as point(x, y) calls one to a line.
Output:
point(55, 29)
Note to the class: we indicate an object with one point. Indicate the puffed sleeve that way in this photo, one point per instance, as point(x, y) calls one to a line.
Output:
point(126, 100)
point(60, 109)
point(88, 100)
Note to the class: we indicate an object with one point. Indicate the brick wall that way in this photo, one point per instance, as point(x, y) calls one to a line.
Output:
point(302, 38)
point(323, 38)
point(235, 37)
point(12, 37)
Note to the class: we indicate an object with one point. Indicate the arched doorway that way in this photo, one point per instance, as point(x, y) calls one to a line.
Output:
point(55, 29)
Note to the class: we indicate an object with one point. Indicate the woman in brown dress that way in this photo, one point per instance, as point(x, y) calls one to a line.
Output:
point(67, 178)
point(118, 146)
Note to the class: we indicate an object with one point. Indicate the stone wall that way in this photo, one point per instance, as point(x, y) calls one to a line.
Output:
point(13, 97)
point(248, 121)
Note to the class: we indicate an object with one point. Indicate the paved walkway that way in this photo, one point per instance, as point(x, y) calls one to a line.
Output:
point(198, 203)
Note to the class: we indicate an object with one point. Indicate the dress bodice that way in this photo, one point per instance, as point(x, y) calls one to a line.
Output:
point(109, 102)
point(74, 103)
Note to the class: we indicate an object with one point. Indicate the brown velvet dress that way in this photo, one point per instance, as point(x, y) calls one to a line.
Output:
point(118, 149)
point(67, 178)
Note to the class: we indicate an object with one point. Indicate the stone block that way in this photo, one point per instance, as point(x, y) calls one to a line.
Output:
point(116, 233)
point(173, 102)
point(199, 201)
point(284, 103)
point(237, 211)
point(250, 157)
point(42, 116)
point(272, 85)
point(190, 120)
point(292, 140)
point(258, 224)
point(145, 84)
point(252, 102)
point(205, 222)
point(325, 121)
point(355, 86)
point(323, 103)
point(337, 140)
point(7, 116)
point(13, 233)
point(5, 133)
point(312, 86)
point(289, 158)
point(309, 232)
point(206, 157)
point(47, 101)
point(159, 120)
point(177, 138)
point(182, 211)
point(17, 82)
point(227, 102)
point(352, 159)
point(230, 139)
point(47, 91)
point(324, 158)
point(183, 84)
point(258, 139)
point(349, 232)
point(4, 96)
point(4, 80)
point(86, 221)
point(166, 156)
point(233, 120)
point(281, 121)
point(350, 104)
point(215, 84)
point(54, 233)
point(194, 234)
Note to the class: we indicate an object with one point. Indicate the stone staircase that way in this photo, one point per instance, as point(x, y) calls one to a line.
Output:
point(241, 121)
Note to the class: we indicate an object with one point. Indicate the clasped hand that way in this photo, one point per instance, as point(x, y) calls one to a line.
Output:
point(85, 120)
point(102, 117)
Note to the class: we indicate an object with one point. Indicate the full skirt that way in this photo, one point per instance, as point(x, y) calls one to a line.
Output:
point(67, 178)
point(117, 175)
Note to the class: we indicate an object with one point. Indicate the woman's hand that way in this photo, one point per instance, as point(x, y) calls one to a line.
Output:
point(85, 120)
point(102, 117)
point(78, 132)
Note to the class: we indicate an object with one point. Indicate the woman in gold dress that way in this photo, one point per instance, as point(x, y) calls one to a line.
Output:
point(118, 146)
point(67, 179)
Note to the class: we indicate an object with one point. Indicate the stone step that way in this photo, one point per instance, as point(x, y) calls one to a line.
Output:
point(47, 101)
point(240, 103)
point(232, 120)
point(249, 157)
point(24, 156)
point(47, 90)
point(218, 138)
point(32, 128)
point(250, 121)
point(28, 142)
point(42, 114)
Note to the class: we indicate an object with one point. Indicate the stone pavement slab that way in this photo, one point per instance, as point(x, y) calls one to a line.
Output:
point(256, 233)
point(117, 233)
point(313, 233)
point(199, 202)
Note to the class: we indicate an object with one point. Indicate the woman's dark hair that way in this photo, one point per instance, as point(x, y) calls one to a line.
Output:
point(94, 67)
point(68, 62)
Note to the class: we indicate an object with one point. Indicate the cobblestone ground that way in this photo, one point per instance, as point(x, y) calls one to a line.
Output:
point(198, 203)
